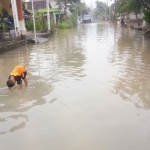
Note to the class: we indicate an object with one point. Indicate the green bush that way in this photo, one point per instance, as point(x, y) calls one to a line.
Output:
point(63, 25)
point(66, 24)
point(29, 25)
point(72, 21)
point(38, 25)
point(70, 24)
point(3, 26)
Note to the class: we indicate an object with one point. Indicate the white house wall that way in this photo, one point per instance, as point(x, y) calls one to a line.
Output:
point(133, 17)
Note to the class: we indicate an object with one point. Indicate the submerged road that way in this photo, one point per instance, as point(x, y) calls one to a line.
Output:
point(89, 89)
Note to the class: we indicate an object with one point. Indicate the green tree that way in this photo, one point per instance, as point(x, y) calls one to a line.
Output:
point(146, 10)
point(101, 9)
point(64, 4)
point(129, 6)
point(80, 7)
point(145, 3)
point(147, 16)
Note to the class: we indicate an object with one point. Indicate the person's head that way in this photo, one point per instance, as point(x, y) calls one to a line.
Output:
point(10, 83)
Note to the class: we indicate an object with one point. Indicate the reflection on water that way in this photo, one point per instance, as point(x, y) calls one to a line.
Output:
point(88, 88)
point(46, 64)
point(131, 55)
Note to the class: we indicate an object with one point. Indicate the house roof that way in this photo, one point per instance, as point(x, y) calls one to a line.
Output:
point(37, 4)
point(41, 6)
point(40, 0)
point(36, 0)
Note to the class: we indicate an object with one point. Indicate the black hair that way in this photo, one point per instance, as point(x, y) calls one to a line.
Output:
point(10, 83)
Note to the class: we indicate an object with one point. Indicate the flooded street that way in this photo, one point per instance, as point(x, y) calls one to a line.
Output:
point(89, 89)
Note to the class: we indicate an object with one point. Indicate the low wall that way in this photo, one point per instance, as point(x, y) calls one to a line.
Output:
point(11, 46)
point(21, 42)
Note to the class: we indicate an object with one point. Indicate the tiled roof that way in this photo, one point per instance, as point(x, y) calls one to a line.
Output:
point(36, 0)
point(37, 5)
point(40, 0)
point(41, 4)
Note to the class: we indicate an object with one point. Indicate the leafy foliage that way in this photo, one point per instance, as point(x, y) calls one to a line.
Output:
point(128, 6)
point(29, 25)
point(81, 7)
point(40, 21)
point(69, 22)
point(2, 24)
point(147, 16)
point(145, 3)
point(63, 25)
point(63, 4)
point(101, 9)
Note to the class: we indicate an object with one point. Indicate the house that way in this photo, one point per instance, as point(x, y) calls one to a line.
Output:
point(14, 8)
point(132, 17)
point(55, 11)
point(38, 4)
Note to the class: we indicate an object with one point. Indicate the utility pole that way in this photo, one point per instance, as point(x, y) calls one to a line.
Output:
point(108, 11)
point(34, 23)
point(120, 12)
point(115, 11)
point(48, 16)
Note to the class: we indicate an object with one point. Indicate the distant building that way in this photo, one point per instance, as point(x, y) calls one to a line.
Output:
point(132, 17)
point(55, 11)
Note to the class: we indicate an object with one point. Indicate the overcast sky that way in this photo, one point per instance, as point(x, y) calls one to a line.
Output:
point(91, 3)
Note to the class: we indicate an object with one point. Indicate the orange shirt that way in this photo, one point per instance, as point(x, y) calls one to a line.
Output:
point(18, 71)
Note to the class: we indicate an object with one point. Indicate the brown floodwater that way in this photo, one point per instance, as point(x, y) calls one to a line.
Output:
point(89, 89)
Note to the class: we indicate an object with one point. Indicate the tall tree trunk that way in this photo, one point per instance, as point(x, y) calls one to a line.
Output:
point(65, 9)
point(137, 19)
point(114, 11)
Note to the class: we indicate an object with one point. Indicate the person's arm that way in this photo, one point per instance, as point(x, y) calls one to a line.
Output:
point(25, 82)
point(24, 78)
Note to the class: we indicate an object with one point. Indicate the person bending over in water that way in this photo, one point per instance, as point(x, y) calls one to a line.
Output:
point(18, 73)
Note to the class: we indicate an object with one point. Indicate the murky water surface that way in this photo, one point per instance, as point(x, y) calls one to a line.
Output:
point(89, 89)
